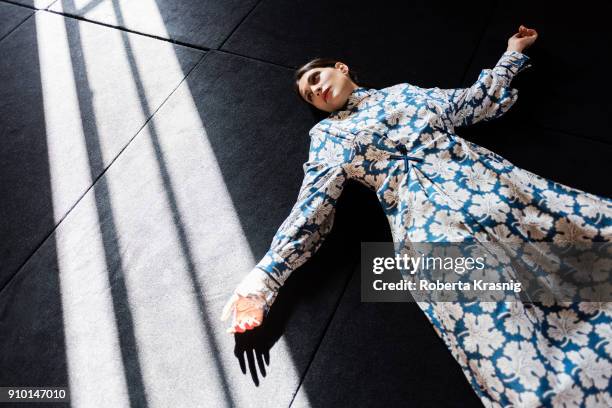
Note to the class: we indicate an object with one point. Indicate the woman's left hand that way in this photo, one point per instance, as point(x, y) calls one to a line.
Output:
point(247, 312)
point(522, 40)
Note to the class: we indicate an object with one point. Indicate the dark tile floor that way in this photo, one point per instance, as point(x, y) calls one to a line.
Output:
point(150, 150)
point(11, 17)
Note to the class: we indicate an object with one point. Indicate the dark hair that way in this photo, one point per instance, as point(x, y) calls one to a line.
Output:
point(316, 63)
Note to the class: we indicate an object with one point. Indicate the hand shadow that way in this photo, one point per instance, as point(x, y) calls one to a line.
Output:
point(252, 347)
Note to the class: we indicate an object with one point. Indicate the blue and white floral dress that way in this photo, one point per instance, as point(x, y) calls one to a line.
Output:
point(435, 186)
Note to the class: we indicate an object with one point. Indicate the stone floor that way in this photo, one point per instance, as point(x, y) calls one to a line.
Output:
point(151, 148)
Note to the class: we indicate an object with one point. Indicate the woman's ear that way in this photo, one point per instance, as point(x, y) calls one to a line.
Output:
point(342, 67)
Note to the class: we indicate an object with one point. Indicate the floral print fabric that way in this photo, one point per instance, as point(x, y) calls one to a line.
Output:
point(435, 186)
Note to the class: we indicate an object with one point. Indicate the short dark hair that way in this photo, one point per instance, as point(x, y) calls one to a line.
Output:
point(316, 63)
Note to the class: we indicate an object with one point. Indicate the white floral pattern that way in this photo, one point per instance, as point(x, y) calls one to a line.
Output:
point(435, 186)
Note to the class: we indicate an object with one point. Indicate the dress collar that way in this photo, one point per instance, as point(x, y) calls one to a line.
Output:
point(355, 97)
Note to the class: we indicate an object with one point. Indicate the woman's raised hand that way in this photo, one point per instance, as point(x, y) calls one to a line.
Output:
point(247, 312)
point(522, 40)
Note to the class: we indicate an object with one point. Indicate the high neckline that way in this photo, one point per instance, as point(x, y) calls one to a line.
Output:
point(354, 98)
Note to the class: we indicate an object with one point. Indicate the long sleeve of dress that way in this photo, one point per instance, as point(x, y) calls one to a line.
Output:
point(308, 223)
point(490, 96)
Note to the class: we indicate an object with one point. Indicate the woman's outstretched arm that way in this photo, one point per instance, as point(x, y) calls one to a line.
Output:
point(297, 239)
point(491, 95)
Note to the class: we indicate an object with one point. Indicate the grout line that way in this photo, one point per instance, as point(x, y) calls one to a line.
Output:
point(156, 37)
point(18, 25)
point(14, 3)
point(276, 64)
point(198, 63)
point(324, 332)
point(239, 24)
point(176, 42)
point(52, 3)
point(59, 222)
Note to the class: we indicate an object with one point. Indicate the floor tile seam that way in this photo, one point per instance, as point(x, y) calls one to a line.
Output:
point(93, 184)
point(128, 30)
point(14, 3)
point(324, 333)
point(168, 40)
point(18, 25)
point(242, 20)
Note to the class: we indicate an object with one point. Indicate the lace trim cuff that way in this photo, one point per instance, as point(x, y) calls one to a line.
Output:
point(259, 283)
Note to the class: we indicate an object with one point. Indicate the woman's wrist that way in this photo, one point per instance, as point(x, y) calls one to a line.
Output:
point(515, 49)
point(258, 282)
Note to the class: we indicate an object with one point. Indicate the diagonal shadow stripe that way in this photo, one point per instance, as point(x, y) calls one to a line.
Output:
point(169, 190)
point(106, 220)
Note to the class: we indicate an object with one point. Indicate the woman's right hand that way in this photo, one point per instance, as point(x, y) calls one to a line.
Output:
point(247, 312)
point(523, 39)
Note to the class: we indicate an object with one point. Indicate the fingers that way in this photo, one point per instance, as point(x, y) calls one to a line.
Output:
point(243, 326)
point(245, 314)
point(249, 324)
point(526, 32)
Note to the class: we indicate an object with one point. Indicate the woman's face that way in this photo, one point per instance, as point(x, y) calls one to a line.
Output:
point(326, 88)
